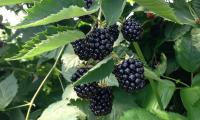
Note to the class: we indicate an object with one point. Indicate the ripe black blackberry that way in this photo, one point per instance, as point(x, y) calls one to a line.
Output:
point(101, 103)
point(131, 30)
point(84, 91)
point(80, 72)
point(81, 50)
point(114, 31)
point(88, 3)
point(130, 75)
point(100, 43)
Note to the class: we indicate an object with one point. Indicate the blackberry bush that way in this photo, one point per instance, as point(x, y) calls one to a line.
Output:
point(36, 48)
point(100, 43)
point(131, 30)
point(101, 102)
point(84, 90)
point(80, 49)
point(130, 75)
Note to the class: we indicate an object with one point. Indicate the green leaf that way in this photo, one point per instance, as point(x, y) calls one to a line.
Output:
point(196, 80)
point(10, 2)
point(98, 72)
point(8, 90)
point(187, 50)
point(61, 111)
point(162, 67)
point(142, 114)
point(69, 93)
point(166, 90)
point(138, 114)
point(43, 14)
point(191, 101)
point(196, 7)
point(16, 115)
point(150, 74)
point(122, 102)
point(50, 43)
point(175, 31)
point(182, 12)
point(112, 10)
point(70, 63)
point(159, 7)
point(167, 115)
point(111, 80)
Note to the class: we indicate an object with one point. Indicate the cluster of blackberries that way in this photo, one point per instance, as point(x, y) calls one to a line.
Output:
point(131, 30)
point(130, 75)
point(88, 3)
point(98, 43)
point(100, 98)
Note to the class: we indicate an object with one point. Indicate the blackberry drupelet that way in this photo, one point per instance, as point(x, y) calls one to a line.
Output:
point(130, 75)
point(131, 30)
point(84, 91)
point(88, 3)
point(114, 31)
point(81, 50)
point(101, 103)
point(100, 43)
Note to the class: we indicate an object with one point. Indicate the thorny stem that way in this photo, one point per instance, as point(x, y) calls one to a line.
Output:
point(41, 85)
point(141, 56)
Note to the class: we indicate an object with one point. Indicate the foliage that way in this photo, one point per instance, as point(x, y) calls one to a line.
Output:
point(37, 59)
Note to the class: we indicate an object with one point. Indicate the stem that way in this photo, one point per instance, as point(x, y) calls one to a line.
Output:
point(177, 81)
point(141, 56)
point(61, 84)
point(41, 85)
point(18, 69)
point(19, 106)
point(99, 18)
point(156, 94)
point(139, 52)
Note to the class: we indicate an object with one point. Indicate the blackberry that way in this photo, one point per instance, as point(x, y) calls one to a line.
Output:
point(88, 3)
point(80, 72)
point(131, 30)
point(81, 50)
point(84, 90)
point(114, 31)
point(100, 43)
point(101, 103)
point(130, 75)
